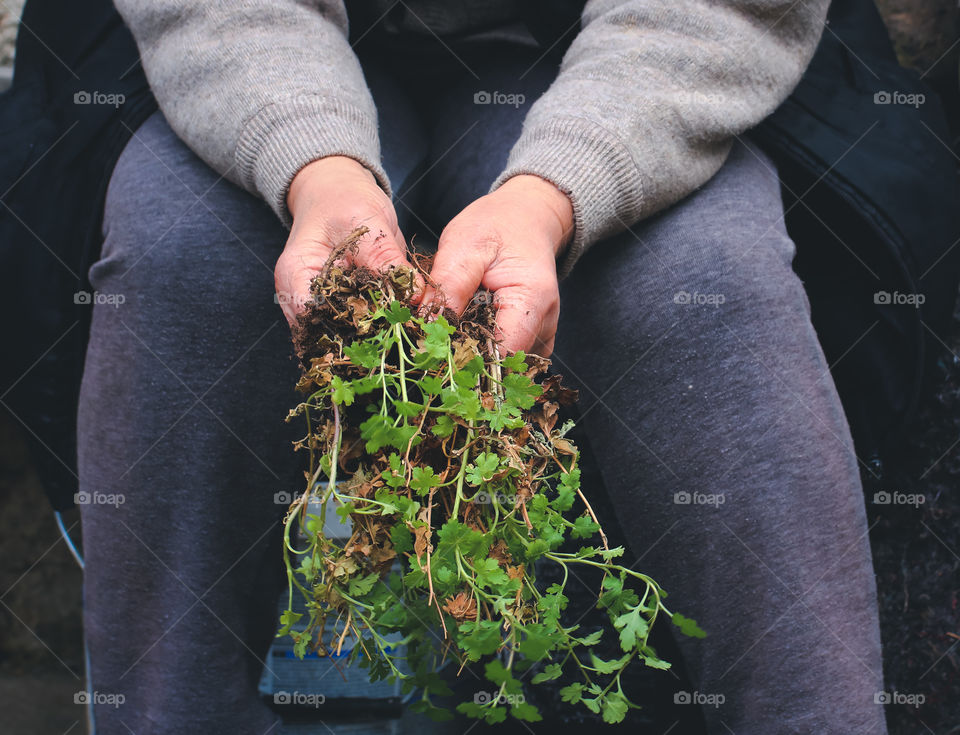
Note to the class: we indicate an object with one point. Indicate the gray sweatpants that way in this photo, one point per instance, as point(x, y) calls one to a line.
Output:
point(704, 393)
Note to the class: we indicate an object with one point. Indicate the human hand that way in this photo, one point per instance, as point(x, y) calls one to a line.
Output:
point(328, 199)
point(508, 242)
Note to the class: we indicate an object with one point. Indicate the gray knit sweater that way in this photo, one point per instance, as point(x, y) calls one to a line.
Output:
point(643, 111)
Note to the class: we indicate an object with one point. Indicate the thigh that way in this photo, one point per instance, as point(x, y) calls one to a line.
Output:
point(187, 379)
point(190, 259)
point(722, 442)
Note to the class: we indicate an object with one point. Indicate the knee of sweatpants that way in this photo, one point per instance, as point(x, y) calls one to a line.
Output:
point(700, 280)
point(694, 323)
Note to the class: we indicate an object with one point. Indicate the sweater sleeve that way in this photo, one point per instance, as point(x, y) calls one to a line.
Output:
point(258, 88)
point(649, 97)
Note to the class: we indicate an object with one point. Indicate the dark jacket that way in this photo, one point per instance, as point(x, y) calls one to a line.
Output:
point(875, 224)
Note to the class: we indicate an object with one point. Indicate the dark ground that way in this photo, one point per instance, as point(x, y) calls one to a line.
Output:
point(916, 550)
point(917, 560)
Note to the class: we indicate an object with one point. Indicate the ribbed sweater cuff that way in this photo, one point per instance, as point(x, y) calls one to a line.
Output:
point(591, 166)
point(284, 137)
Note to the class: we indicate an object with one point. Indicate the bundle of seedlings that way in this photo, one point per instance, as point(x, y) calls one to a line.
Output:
point(445, 459)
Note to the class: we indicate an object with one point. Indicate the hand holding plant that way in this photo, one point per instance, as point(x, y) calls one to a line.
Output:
point(447, 459)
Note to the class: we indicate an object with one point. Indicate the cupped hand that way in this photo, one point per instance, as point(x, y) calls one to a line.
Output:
point(328, 200)
point(508, 242)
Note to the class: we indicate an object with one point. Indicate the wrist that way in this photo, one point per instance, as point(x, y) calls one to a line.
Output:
point(543, 197)
point(338, 171)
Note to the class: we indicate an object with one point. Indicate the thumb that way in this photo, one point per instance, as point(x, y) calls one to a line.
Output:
point(457, 273)
point(526, 319)
point(379, 249)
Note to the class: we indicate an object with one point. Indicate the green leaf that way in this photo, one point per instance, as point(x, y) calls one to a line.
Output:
point(549, 673)
point(465, 379)
point(490, 574)
point(444, 426)
point(362, 386)
point(570, 479)
point(464, 402)
point(483, 468)
point(608, 667)
point(655, 663)
point(612, 591)
point(592, 639)
point(536, 549)
point(538, 641)
point(365, 353)
point(454, 534)
point(437, 714)
point(515, 362)
point(520, 391)
point(436, 339)
point(401, 538)
point(613, 553)
point(633, 629)
point(501, 676)
point(430, 385)
point(614, 707)
point(572, 693)
point(688, 626)
point(314, 526)
point(493, 715)
point(584, 527)
point(564, 500)
point(503, 417)
point(287, 620)
point(342, 392)
point(525, 711)
point(409, 409)
point(422, 479)
point(552, 605)
point(307, 569)
point(395, 313)
point(481, 638)
point(474, 366)
point(378, 431)
point(359, 586)
point(300, 647)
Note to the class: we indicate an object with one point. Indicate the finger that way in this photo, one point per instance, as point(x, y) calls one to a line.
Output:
point(293, 275)
point(380, 251)
point(526, 318)
point(457, 272)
